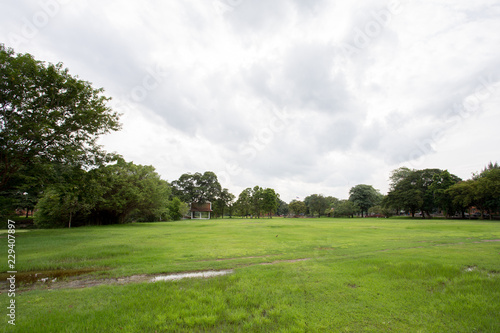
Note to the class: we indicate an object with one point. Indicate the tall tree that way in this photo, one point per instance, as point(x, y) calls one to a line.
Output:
point(346, 208)
point(283, 208)
point(110, 194)
point(224, 201)
point(129, 192)
point(440, 183)
point(48, 115)
point(270, 201)
point(257, 201)
point(462, 195)
point(411, 190)
point(316, 203)
point(297, 207)
point(244, 202)
point(364, 196)
point(487, 191)
point(197, 187)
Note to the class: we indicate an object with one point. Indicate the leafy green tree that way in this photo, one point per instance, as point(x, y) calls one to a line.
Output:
point(316, 203)
point(380, 210)
point(199, 188)
point(244, 202)
point(411, 190)
point(482, 191)
point(110, 194)
point(462, 195)
point(47, 115)
point(224, 201)
point(297, 207)
point(283, 208)
point(490, 166)
point(346, 208)
point(440, 183)
point(364, 196)
point(177, 209)
point(270, 201)
point(69, 200)
point(487, 191)
point(332, 201)
point(424, 179)
point(129, 191)
point(257, 198)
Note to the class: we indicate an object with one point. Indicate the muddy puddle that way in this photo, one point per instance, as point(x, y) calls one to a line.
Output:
point(48, 275)
point(80, 278)
point(180, 276)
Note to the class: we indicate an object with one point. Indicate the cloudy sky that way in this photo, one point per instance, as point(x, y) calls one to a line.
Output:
point(301, 96)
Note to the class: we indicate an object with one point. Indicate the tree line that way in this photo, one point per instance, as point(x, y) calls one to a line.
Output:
point(50, 163)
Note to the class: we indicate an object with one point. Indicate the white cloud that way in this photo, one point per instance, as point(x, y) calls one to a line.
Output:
point(304, 97)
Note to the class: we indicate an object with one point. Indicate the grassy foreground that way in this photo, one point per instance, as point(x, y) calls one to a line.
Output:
point(361, 275)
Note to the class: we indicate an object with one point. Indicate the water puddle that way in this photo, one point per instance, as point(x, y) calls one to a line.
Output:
point(79, 278)
point(180, 276)
point(48, 276)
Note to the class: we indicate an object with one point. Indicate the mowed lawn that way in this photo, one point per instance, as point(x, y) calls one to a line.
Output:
point(355, 275)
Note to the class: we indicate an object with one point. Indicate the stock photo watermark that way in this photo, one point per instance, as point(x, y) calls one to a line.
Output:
point(139, 93)
point(11, 264)
point(224, 6)
point(455, 115)
point(31, 25)
point(365, 34)
point(249, 151)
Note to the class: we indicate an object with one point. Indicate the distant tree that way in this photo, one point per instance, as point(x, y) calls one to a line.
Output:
point(411, 190)
point(129, 191)
point(197, 187)
point(332, 201)
point(117, 193)
point(244, 203)
point(442, 199)
point(69, 200)
point(47, 115)
point(346, 208)
point(270, 201)
point(490, 166)
point(177, 209)
point(283, 208)
point(223, 201)
point(380, 210)
point(364, 196)
point(487, 191)
point(297, 207)
point(462, 195)
point(316, 203)
point(257, 201)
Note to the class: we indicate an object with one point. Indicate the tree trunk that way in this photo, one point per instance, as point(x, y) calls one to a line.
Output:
point(70, 216)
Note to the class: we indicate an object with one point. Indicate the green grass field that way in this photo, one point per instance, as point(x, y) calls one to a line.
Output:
point(358, 275)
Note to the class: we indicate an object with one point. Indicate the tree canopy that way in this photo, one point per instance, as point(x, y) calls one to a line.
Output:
point(48, 115)
point(364, 197)
point(197, 187)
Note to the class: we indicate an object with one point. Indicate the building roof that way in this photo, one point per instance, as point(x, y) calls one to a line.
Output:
point(201, 207)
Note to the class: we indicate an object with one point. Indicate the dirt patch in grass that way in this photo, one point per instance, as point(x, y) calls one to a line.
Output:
point(47, 275)
point(72, 279)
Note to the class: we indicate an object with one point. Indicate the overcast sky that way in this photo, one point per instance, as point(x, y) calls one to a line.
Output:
point(301, 96)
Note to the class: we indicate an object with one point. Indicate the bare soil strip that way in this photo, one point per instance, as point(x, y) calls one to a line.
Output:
point(80, 280)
